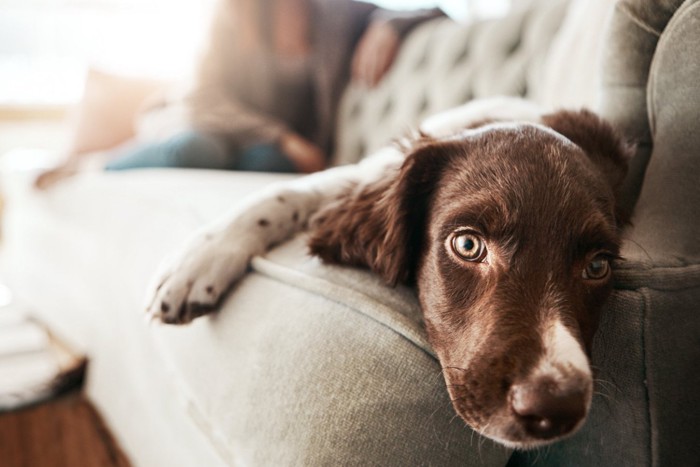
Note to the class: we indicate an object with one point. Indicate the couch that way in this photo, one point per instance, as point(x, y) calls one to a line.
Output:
point(309, 364)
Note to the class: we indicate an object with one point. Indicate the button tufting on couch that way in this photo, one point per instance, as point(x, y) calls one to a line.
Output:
point(442, 65)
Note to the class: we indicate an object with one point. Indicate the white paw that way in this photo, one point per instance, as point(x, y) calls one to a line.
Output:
point(193, 281)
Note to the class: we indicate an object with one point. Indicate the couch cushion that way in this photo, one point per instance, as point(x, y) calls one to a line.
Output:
point(571, 77)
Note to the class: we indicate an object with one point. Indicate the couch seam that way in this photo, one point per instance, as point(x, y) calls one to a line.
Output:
point(637, 275)
point(637, 20)
point(646, 299)
point(653, 285)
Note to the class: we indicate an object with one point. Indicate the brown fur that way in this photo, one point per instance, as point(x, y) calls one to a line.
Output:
point(544, 206)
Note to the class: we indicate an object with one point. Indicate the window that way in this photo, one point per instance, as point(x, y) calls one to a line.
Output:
point(461, 10)
point(46, 46)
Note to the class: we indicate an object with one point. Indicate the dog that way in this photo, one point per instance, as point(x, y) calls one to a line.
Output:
point(507, 228)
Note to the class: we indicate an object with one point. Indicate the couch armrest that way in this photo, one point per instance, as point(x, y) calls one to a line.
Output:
point(667, 217)
point(666, 230)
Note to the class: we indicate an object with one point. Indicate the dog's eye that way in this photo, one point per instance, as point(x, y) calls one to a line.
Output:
point(469, 246)
point(597, 269)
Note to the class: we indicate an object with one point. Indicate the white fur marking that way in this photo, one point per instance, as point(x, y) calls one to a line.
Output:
point(563, 354)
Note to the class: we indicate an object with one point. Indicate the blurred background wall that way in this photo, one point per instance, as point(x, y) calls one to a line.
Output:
point(50, 48)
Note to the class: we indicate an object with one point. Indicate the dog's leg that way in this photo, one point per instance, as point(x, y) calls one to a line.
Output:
point(478, 112)
point(193, 281)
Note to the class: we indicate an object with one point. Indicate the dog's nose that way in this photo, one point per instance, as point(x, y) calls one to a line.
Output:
point(545, 410)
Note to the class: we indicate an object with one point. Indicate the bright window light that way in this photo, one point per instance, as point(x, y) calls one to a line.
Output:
point(460, 10)
point(46, 46)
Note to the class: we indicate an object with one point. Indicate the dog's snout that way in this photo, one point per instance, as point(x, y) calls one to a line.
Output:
point(545, 410)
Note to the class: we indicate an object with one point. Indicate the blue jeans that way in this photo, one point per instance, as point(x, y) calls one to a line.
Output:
point(202, 151)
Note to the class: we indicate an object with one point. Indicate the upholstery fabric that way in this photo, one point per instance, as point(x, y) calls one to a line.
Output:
point(571, 77)
point(663, 217)
point(443, 64)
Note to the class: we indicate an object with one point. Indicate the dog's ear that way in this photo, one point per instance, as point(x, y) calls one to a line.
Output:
point(603, 144)
point(382, 225)
point(606, 147)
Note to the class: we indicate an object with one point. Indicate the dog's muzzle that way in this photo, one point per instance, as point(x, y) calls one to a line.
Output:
point(545, 410)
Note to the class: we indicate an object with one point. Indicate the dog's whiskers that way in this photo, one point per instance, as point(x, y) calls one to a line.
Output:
point(453, 368)
point(455, 416)
point(606, 389)
point(607, 397)
point(482, 439)
point(605, 383)
point(439, 374)
point(538, 452)
point(638, 245)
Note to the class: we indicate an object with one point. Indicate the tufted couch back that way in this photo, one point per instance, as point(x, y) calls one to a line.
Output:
point(443, 64)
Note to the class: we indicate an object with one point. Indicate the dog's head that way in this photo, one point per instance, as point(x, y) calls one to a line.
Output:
point(508, 231)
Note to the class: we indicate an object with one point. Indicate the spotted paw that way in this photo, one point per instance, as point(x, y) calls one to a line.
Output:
point(193, 282)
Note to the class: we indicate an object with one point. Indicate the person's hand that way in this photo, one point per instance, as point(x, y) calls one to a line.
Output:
point(305, 155)
point(374, 54)
point(50, 177)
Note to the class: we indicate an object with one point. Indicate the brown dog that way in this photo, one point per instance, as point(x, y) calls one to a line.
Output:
point(507, 230)
point(508, 233)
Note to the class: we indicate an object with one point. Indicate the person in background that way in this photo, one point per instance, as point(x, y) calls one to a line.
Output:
point(267, 89)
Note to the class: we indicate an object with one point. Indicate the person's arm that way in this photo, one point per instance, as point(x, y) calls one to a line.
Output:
point(404, 21)
point(378, 46)
point(216, 112)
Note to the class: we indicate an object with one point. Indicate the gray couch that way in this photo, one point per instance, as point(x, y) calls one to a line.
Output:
point(307, 364)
